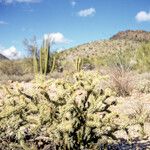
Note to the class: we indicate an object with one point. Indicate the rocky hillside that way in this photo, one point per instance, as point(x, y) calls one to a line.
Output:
point(126, 40)
point(2, 57)
point(99, 49)
point(138, 35)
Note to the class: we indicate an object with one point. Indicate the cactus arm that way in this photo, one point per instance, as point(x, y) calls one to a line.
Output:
point(35, 63)
point(41, 68)
point(46, 60)
point(53, 64)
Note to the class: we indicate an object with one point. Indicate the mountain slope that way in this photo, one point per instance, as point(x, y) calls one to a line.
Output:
point(99, 49)
point(137, 35)
point(2, 57)
point(126, 40)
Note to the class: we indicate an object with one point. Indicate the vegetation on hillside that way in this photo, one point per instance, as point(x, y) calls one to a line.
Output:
point(143, 57)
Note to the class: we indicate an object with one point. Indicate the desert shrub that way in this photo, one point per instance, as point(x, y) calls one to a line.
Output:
point(101, 61)
point(139, 116)
point(16, 67)
point(11, 68)
point(16, 70)
point(121, 81)
point(144, 86)
point(120, 72)
point(143, 57)
point(142, 82)
point(4, 79)
point(65, 115)
point(68, 67)
point(122, 60)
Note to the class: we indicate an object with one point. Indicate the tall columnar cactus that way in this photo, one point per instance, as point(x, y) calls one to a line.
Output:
point(79, 63)
point(44, 60)
point(35, 64)
point(46, 63)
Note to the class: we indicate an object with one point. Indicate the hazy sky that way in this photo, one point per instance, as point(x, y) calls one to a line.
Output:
point(70, 22)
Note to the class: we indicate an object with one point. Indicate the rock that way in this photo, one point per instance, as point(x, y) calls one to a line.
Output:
point(60, 69)
point(10, 81)
point(2, 57)
point(147, 129)
point(135, 131)
point(121, 135)
point(88, 67)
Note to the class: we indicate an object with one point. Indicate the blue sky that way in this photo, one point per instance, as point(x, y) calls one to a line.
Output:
point(70, 22)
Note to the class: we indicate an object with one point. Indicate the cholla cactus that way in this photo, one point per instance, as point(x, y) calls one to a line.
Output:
point(84, 119)
point(71, 115)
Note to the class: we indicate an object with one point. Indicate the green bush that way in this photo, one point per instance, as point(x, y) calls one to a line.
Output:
point(122, 60)
point(143, 57)
point(67, 115)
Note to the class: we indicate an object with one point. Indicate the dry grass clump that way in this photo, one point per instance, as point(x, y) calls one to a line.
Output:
point(143, 82)
point(121, 81)
point(140, 116)
point(16, 67)
point(121, 73)
point(144, 86)
point(11, 68)
point(25, 78)
point(16, 70)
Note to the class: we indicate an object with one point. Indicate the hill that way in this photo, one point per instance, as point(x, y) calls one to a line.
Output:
point(128, 40)
point(137, 35)
point(2, 57)
point(99, 49)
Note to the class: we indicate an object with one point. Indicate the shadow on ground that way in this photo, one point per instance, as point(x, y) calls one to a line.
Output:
point(136, 144)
